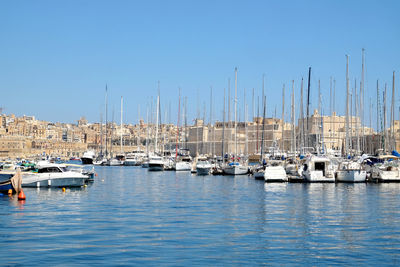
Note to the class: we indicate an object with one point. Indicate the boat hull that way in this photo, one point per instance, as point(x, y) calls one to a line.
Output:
point(317, 177)
point(183, 166)
point(275, 174)
point(203, 170)
point(351, 176)
point(155, 167)
point(236, 170)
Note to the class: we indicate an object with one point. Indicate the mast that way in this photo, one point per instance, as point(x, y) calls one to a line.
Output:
point(262, 133)
point(106, 137)
point(320, 115)
point(157, 108)
point(246, 148)
point(101, 134)
point(229, 103)
point(121, 122)
point(392, 109)
point(236, 148)
point(293, 121)
point(283, 117)
point(384, 120)
point(223, 132)
point(347, 106)
point(177, 131)
point(210, 128)
point(362, 100)
point(308, 108)
point(254, 114)
point(301, 116)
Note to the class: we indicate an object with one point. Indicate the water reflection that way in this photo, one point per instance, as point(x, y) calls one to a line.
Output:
point(132, 216)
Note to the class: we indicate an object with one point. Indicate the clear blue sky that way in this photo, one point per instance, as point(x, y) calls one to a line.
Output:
point(57, 56)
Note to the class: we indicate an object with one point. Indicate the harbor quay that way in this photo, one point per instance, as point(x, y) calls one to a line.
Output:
point(27, 137)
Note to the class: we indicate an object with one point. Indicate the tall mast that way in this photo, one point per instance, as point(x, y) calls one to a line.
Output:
point(210, 128)
point(236, 148)
point(262, 133)
point(347, 106)
point(246, 148)
point(223, 132)
point(308, 107)
point(362, 99)
point(301, 116)
point(177, 131)
point(293, 121)
point(106, 123)
point(254, 114)
point(101, 134)
point(385, 119)
point(157, 108)
point(283, 117)
point(229, 103)
point(121, 122)
point(331, 111)
point(392, 109)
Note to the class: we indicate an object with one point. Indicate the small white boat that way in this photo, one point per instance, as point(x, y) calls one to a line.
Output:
point(156, 163)
point(318, 169)
point(203, 167)
point(386, 170)
point(183, 164)
point(235, 168)
point(351, 172)
point(88, 157)
point(273, 172)
point(53, 175)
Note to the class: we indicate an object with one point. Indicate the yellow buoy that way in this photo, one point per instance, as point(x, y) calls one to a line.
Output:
point(63, 189)
point(9, 192)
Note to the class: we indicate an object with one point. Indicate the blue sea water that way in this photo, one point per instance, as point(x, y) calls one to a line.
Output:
point(130, 216)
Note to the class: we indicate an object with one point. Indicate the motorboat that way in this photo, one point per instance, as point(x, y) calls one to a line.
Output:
point(88, 157)
point(235, 168)
point(384, 168)
point(53, 175)
point(203, 166)
point(351, 172)
point(183, 164)
point(318, 169)
point(156, 163)
point(273, 171)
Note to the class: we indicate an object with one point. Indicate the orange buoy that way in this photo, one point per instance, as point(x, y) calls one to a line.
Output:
point(10, 192)
point(21, 195)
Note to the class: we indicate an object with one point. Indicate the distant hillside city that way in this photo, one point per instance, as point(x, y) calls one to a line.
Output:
point(27, 137)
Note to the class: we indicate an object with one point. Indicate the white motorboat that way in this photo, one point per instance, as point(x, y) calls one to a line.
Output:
point(132, 160)
point(156, 163)
point(114, 162)
point(53, 175)
point(203, 167)
point(351, 172)
point(387, 169)
point(183, 164)
point(235, 168)
point(318, 169)
point(273, 172)
point(88, 157)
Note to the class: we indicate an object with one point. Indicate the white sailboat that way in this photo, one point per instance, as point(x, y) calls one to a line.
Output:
point(235, 168)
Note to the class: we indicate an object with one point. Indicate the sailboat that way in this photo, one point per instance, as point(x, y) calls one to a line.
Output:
point(235, 167)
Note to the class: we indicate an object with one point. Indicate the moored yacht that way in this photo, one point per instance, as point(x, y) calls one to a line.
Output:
point(318, 169)
point(53, 175)
point(351, 172)
point(235, 168)
point(203, 166)
point(156, 163)
point(183, 164)
point(88, 157)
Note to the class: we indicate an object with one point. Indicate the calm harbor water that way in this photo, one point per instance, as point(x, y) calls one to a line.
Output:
point(130, 216)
